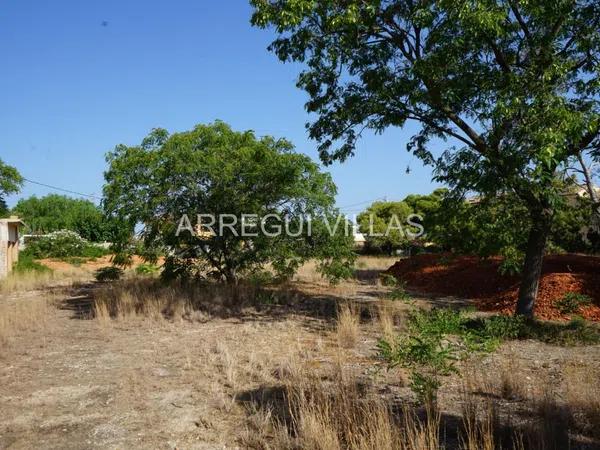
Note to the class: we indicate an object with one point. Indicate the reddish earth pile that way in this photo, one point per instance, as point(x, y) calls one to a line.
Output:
point(473, 278)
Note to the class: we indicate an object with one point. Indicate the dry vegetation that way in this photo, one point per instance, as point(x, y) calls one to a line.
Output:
point(137, 364)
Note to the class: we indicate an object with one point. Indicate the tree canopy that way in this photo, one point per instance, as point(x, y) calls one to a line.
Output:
point(512, 87)
point(58, 212)
point(10, 183)
point(257, 184)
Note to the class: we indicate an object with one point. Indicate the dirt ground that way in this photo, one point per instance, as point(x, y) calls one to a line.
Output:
point(68, 381)
point(474, 278)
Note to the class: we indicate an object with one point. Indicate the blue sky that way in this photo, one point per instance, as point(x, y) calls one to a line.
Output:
point(72, 87)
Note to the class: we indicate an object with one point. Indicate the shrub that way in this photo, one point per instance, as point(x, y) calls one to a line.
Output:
point(427, 356)
point(62, 244)
point(388, 280)
point(109, 273)
point(571, 302)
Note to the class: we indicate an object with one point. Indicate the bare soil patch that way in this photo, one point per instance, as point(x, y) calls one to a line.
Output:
point(473, 278)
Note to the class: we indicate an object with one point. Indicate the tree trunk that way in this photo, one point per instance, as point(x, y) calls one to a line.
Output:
point(532, 267)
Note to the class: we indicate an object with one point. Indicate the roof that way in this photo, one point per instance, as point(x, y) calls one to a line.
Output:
point(12, 219)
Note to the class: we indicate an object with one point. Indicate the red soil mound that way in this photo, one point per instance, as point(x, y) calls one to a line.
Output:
point(471, 277)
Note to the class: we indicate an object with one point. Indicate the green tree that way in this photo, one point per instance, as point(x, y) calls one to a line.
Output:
point(10, 183)
point(216, 171)
point(385, 225)
point(512, 86)
point(59, 212)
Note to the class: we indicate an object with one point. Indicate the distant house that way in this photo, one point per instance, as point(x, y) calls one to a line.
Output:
point(9, 243)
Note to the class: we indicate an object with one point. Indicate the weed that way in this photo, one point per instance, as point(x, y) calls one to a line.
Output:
point(572, 302)
point(427, 356)
point(388, 280)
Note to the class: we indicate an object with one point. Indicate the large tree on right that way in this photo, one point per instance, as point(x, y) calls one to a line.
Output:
point(511, 87)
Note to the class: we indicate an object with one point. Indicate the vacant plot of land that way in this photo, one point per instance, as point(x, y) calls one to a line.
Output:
point(238, 377)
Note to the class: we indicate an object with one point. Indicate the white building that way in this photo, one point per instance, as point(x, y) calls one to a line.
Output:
point(9, 243)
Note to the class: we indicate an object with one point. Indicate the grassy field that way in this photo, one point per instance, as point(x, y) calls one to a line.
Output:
point(134, 364)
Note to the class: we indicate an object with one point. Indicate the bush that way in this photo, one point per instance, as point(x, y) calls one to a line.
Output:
point(109, 273)
point(62, 244)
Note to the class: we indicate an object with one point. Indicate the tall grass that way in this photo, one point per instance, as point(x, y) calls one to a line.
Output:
point(21, 316)
point(154, 299)
point(337, 412)
point(347, 327)
point(29, 275)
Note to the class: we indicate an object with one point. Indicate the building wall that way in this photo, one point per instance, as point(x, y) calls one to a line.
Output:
point(3, 260)
point(9, 247)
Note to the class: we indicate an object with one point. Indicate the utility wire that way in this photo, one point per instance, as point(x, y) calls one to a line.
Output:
point(360, 203)
point(63, 190)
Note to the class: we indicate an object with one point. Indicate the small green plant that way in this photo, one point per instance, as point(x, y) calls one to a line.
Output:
point(388, 279)
point(109, 273)
point(146, 269)
point(428, 357)
point(572, 302)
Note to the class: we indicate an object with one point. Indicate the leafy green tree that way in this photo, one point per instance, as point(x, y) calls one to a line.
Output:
point(489, 226)
point(216, 171)
point(426, 206)
point(512, 86)
point(385, 225)
point(484, 226)
point(10, 183)
point(59, 212)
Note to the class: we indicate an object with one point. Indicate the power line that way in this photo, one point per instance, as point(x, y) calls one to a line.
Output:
point(63, 190)
point(360, 203)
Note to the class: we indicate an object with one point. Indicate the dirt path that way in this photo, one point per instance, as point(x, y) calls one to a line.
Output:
point(140, 384)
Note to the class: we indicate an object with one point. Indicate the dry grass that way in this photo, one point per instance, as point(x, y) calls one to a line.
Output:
point(295, 387)
point(512, 385)
point(336, 412)
point(376, 262)
point(150, 299)
point(582, 388)
point(27, 281)
point(387, 322)
point(347, 330)
point(33, 280)
point(21, 316)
